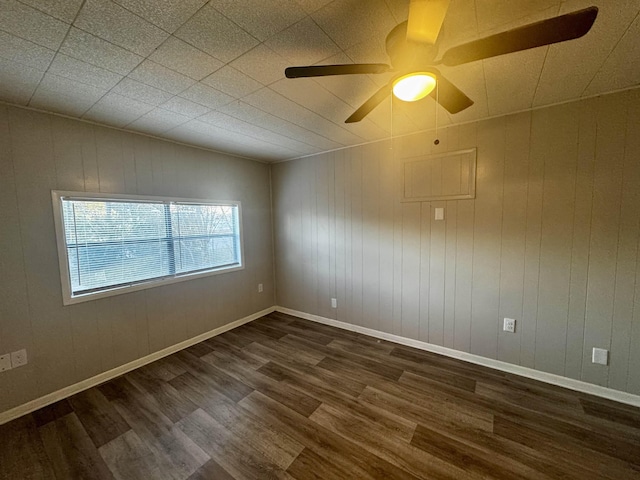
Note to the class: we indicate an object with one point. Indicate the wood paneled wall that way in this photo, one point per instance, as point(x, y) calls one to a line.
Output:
point(39, 153)
point(551, 240)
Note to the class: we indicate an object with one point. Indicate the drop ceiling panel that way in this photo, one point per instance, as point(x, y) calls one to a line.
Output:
point(206, 96)
point(399, 9)
point(178, 55)
point(311, 6)
point(243, 111)
point(622, 67)
point(311, 95)
point(303, 43)
point(512, 80)
point(349, 22)
point(117, 110)
point(142, 92)
point(228, 122)
point(269, 100)
point(570, 66)
point(82, 72)
point(215, 34)
point(164, 78)
point(164, 66)
point(158, 121)
point(65, 10)
point(166, 14)
point(63, 95)
point(31, 24)
point(368, 51)
point(287, 128)
point(262, 64)
point(113, 23)
point(368, 130)
point(25, 52)
point(232, 82)
point(261, 22)
point(18, 81)
point(185, 107)
point(215, 137)
point(461, 24)
point(96, 51)
point(492, 15)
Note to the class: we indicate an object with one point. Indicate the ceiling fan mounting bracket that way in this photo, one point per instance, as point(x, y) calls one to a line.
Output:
point(406, 55)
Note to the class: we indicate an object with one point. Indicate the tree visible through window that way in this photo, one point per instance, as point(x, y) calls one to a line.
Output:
point(113, 243)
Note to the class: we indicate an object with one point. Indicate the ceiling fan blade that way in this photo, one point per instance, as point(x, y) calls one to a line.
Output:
point(554, 30)
point(347, 69)
point(449, 96)
point(425, 20)
point(369, 105)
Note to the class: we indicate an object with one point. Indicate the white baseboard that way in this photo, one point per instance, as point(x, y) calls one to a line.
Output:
point(65, 392)
point(570, 383)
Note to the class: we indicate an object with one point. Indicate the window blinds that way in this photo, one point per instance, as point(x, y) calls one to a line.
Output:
point(112, 243)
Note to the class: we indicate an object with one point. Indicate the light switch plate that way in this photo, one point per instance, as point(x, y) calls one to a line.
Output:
point(439, 213)
point(334, 303)
point(5, 362)
point(600, 356)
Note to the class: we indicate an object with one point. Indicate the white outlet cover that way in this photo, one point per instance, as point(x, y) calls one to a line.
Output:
point(439, 213)
point(260, 288)
point(334, 303)
point(5, 362)
point(600, 356)
point(509, 325)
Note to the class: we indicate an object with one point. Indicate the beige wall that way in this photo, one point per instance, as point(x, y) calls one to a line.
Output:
point(551, 240)
point(40, 152)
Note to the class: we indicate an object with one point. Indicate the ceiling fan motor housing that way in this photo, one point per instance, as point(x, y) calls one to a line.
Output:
point(407, 56)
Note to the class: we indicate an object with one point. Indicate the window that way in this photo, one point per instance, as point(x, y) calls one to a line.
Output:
point(110, 244)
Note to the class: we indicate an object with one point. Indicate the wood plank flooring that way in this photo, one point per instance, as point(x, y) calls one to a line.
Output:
point(286, 398)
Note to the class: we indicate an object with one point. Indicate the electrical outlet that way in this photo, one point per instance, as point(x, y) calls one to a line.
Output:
point(19, 358)
point(334, 303)
point(260, 288)
point(5, 362)
point(600, 356)
point(439, 213)
point(509, 325)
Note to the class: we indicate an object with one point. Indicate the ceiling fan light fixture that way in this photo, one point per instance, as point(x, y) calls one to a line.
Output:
point(414, 86)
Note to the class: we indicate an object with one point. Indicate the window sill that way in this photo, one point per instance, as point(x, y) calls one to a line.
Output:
point(146, 285)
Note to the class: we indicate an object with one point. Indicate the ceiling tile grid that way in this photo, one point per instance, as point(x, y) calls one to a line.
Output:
point(25, 52)
point(99, 52)
point(27, 23)
point(61, 95)
point(211, 72)
point(18, 81)
point(142, 92)
point(81, 72)
point(111, 22)
point(178, 55)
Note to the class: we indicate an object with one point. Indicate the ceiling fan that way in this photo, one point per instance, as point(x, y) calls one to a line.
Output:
point(412, 47)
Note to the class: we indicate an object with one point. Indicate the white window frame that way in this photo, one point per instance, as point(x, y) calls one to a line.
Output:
point(67, 296)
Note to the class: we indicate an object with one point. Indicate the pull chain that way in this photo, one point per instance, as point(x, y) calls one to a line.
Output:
point(392, 123)
point(436, 141)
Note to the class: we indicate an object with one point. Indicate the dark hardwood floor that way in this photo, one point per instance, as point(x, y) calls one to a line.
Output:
point(287, 398)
